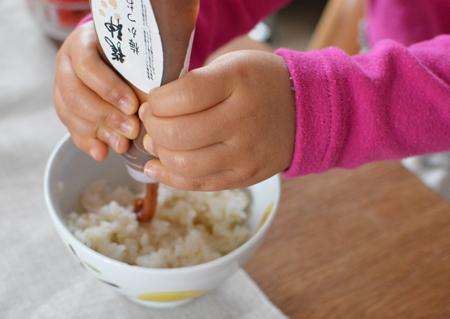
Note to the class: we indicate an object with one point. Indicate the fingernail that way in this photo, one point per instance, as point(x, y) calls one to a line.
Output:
point(126, 105)
point(148, 145)
point(127, 128)
point(114, 140)
point(150, 171)
point(142, 110)
point(93, 153)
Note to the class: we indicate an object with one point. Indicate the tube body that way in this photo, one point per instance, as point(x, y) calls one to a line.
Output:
point(176, 21)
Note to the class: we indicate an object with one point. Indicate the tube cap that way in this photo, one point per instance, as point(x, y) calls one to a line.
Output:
point(140, 176)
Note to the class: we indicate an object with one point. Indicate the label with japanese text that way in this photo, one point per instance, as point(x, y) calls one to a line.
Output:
point(129, 36)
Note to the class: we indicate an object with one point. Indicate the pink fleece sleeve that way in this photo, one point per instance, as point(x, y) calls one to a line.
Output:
point(385, 105)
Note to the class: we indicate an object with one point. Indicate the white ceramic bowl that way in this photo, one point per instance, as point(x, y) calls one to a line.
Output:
point(69, 171)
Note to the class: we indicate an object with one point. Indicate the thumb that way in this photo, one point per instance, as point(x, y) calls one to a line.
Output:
point(198, 90)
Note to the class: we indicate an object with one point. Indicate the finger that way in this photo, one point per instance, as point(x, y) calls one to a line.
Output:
point(92, 146)
point(83, 101)
point(89, 130)
point(191, 131)
point(196, 91)
point(99, 77)
point(195, 163)
point(117, 142)
point(226, 179)
point(74, 122)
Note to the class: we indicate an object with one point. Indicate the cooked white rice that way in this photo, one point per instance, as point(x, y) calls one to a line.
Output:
point(189, 228)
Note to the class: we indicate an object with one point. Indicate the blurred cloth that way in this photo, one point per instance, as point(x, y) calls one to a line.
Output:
point(38, 276)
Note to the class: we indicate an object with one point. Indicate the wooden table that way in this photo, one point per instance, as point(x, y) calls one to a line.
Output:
point(368, 243)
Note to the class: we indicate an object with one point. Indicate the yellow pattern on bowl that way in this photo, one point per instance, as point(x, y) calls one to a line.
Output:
point(265, 216)
point(172, 295)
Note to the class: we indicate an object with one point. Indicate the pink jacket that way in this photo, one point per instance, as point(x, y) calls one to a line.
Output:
point(391, 103)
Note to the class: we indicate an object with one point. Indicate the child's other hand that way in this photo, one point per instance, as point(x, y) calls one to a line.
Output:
point(95, 104)
point(228, 125)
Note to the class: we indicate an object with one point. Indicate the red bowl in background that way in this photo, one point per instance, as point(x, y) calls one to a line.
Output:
point(59, 17)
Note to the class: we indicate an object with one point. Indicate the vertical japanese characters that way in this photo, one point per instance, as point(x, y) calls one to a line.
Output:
point(116, 31)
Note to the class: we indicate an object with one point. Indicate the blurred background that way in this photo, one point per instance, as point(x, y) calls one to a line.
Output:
point(302, 25)
point(291, 27)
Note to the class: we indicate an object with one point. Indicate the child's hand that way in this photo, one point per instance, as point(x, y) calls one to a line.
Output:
point(228, 125)
point(95, 104)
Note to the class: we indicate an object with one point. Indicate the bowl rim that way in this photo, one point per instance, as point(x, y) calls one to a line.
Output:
point(261, 232)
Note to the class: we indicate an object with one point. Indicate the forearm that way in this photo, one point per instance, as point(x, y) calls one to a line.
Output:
point(406, 21)
point(220, 21)
point(386, 105)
